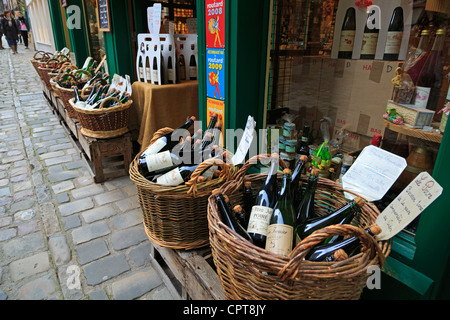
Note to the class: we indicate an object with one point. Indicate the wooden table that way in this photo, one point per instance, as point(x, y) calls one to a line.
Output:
point(160, 106)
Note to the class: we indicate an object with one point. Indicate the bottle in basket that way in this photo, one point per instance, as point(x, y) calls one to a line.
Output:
point(343, 215)
point(166, 142)
point(248, 197)
point(305, 210)
point(296, 177)
point(280, 233)
point(341, 249)
point(265, 201)
point(227, 215)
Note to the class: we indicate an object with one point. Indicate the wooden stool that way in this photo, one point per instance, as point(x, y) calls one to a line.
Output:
point(110, 158)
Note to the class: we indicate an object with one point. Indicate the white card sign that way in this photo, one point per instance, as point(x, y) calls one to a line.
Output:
point(373, 173)
point(246, 141)
point(417, 196)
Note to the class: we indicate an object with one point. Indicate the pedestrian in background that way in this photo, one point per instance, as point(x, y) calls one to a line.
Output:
point(11, 31)
point(1, 32)
point(23, 28)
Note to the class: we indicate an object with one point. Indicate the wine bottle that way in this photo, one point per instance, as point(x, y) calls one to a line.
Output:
point(170, 74)
point(227, 216)
point(248, 197)
point(429, 82)
point(305, 210)
point(263, 206)
point(296, 177)
point(166, 142)
point(140, 70)
point(420, 56)
point(212, 122)
point(148, 70)
point(370, 39)
point(349, 246)
point(181, 68)
point(280, 232)
point(342, 215)
point(155, 71)
point(192, 68)
point(303, 148)
point(241, 215)
point(394, 36)
point(348, 32)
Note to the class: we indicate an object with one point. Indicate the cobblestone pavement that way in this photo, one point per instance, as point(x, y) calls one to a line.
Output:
point(62, 236)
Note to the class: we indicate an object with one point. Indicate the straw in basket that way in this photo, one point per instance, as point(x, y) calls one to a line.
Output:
point(249, 272)
point(175, 217)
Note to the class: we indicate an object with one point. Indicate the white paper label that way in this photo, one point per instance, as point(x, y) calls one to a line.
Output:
point(418, 195)
point(422, 95)
point(210, 172)
point(245, 142)
point(259, 220)
point(279, 239)
point(155, 147)
point(393, 42)
point(347, 40)
point(159, 161)
point(193, 72)
point(171, 178)
point(373, 173)
point(369, 45)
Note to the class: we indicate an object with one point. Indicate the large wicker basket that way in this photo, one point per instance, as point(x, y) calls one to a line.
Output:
point(38, 58)
point(249, 272)
point(65, 94)
point(175, 217)
point(103, 123)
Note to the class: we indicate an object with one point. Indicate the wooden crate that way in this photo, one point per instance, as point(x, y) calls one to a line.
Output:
point(110, 158)
point(187, 274)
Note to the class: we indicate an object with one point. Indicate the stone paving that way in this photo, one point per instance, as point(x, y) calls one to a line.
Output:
point(62, 236)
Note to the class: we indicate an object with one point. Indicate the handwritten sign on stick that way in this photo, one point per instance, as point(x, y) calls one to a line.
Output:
point(418, 195)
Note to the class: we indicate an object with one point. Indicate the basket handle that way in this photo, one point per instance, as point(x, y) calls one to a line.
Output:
point(83, 93)
point(44, 55)
point(158, 134)
point(109, 99)
point(296, 257)
point(225, 174)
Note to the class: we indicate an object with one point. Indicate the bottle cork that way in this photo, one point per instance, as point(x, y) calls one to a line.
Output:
point(359, 201)
point(237, 208)
point(215, 192)
point(287, 171)
point(375, 229)
point(248, 184)
point(304, 158)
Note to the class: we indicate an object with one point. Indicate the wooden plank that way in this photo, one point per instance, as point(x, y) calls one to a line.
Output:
point(72, 124)
point(416, 133)
point(84, 142)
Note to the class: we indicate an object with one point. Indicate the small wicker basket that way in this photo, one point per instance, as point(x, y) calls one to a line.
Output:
point(175, 217)
point(249, 272)
point(36, 61)
point(103, 123)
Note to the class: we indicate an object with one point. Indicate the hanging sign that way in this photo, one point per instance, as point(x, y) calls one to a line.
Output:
point(417, 196)
point(215, 23)
point(215, 73)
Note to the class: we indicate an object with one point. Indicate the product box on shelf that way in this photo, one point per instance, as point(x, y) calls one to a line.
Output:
point(384, 14)
point(412, 117)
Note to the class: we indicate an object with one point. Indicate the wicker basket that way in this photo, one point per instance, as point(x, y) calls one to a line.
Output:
point(65, 94)
point(175, 217)
point(37, 61)
point(104, 123)
point(249, 272)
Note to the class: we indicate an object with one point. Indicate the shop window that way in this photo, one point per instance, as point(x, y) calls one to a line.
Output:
point(347, 90)
point(95, 37)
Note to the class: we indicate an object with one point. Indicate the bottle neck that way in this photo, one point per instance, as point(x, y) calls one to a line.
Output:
point(285, 192)
point(272, 173)
point(438, 43)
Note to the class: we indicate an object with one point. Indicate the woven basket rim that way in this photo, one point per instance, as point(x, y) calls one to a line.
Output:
point(122, 107)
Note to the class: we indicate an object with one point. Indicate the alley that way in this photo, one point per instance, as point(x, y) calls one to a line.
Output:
point(62, 236)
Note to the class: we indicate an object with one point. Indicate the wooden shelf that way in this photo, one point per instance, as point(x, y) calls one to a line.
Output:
point(416, 133)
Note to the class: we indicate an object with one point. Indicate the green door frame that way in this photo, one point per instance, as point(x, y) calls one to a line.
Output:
point(57, 23)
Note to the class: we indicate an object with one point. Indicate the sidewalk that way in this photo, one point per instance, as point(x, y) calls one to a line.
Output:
point(62, 236)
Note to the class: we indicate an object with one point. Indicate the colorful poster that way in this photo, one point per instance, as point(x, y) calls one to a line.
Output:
point(215, 23)
point(216, 106)
point(215, 73)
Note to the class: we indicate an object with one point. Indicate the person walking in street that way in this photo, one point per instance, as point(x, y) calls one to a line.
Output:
point(23, 28)
point(11, 31)
point(1, 32)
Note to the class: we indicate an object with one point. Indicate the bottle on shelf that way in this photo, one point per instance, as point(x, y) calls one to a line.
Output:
point(166, 142)
point(248, 197)
point(296, 177)
point(192, 68)
point(348, 32)
point(170, 73)
point(263, 206)
point(376, 140)
point(370, 39)
point(181, 67)
point(155, 71)
point(305, 209)
point(341, 249)
point(420, 56)
point(346, 164)
point(394, 36)
point(429, 82)
point(280, 232)
point(303, 148)
point(344, 215)
point(148, 71)
point(227, 215)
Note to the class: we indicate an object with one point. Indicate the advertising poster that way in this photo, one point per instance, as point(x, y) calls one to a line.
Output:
point(215, 23)
point(216, 106)
point(215, 73)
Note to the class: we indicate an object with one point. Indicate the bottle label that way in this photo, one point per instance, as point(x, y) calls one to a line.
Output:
point(279, 239)
point(149, 74)
point(193, 72)
point(159, 161)
point(347, 40)
point(155, 75)
point(155, 147)
point(393, 42)
point(369, 43)
point(259, 220)
point(170, 75)
point(171, 178)
point(422, 95)
point(141, 73)
point(210, 172)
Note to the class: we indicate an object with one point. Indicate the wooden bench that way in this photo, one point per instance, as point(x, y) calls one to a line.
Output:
point(187, 274)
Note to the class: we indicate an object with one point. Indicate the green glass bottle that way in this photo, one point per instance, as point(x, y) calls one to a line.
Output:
point(341, 249)
point(347, 212)
point(305, 209)
point(280, 233)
